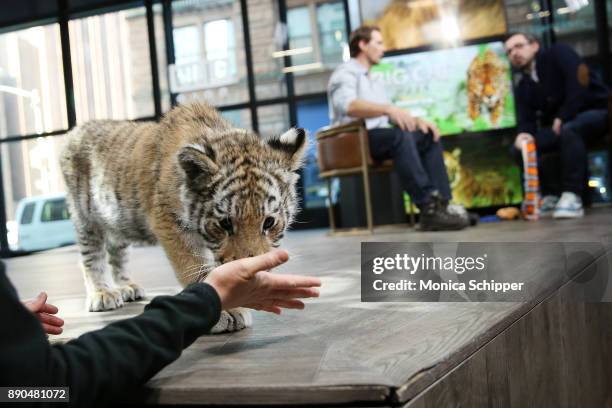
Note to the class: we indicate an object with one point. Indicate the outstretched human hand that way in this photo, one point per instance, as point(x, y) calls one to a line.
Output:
point(44, 312)
point(248, 283)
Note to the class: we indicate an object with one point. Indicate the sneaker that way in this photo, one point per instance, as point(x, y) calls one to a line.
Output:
point(548, 204)
point(569, 206)
point(470, 217)
point(436, 216)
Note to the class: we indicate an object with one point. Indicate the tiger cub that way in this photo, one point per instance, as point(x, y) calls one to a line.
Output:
point(487, 84)
point(207, 192)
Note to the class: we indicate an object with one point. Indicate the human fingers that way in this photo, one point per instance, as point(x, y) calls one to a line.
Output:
point(411, 124)
point(423, 126)
point(50, 319)
point(36, 304)
point(52, 329)
point(279, 303)
point(436, 133)
point(266, 308)
point(49, 308)
point(399, 121)
point(262, 262)
point(288, 304)
point(277, 281)
point(301, 293)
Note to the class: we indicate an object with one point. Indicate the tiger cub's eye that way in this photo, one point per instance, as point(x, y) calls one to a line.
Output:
point(226, 224)
point(268, 223)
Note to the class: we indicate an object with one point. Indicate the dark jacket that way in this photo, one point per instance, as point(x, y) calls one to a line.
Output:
point(565, 88)
point(102, 365)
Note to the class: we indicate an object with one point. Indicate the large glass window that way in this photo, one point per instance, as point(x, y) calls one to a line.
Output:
point(186, 44)
point(240, 118)
point(220, 49)
point(527, 16)
point(574, 24)
point(209, 52)
point(318, 42)
point(312, 116)
point(160, 44)
point(31, 168)
point(267, 37)
point(111, 66)
point(32, 93)
point(273, 119)
point(333, 40)
point(300, 36)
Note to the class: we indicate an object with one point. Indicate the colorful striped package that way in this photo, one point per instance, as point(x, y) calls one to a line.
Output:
point(531, 200)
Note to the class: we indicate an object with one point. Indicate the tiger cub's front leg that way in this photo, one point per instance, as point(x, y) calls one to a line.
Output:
point(102, 293)
point(117, 250)
point(192, 265)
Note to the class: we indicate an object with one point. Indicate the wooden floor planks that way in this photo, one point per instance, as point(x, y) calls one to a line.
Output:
point(340, 350)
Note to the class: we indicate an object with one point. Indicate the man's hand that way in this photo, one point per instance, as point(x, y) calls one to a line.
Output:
point(522, 137)
point(247, 283)
point(556, 127)
point(426, 127)
point(45, 312)
point(401, 118)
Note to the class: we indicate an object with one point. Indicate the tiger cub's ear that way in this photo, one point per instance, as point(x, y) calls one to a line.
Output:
point(198, 163)
point(293, 143)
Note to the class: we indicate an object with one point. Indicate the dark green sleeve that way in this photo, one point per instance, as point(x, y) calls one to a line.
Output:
point(101, 365)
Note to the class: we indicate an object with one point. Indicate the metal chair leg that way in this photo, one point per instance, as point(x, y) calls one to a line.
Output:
point(411, 211)
point(330, 206)
point(368, 199)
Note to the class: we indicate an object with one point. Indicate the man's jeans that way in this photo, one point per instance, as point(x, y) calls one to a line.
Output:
point(571, 146)
point(417, 159)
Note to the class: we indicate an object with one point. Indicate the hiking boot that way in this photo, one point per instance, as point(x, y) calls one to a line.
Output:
point(436, 216)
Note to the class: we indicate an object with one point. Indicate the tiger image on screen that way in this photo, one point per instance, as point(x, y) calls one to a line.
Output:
point(407, 24)
point(469, 186)
point(487, 84)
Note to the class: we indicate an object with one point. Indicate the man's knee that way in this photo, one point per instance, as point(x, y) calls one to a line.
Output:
point(404, 139)
point(571, 134)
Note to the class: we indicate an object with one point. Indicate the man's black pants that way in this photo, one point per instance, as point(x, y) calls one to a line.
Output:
point(417, 159)
point(572, 148)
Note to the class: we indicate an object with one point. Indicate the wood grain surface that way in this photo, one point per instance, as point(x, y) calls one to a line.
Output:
point(342, 351)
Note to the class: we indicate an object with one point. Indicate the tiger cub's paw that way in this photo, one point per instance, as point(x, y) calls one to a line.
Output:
point(131, 291)
point(104, 299)
point(233, 320)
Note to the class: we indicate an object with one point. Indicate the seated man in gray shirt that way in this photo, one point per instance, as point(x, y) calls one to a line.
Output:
point(412, 143)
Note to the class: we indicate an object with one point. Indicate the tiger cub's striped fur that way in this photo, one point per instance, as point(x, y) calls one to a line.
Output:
point(207, 192)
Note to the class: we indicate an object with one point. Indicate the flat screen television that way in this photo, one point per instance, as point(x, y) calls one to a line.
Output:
point(462, 89)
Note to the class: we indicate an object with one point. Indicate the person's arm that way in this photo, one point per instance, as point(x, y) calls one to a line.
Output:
point(101, 365)
point(526, 116)
point(343, 97)
point(360, 108)
point(570, 65)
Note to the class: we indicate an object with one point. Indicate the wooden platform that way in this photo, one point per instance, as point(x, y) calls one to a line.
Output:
point(339, 351)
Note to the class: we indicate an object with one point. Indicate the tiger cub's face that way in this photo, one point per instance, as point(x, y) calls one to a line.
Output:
point(239, 193)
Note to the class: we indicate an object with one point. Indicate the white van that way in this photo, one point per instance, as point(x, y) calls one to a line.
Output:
point(43, 222)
